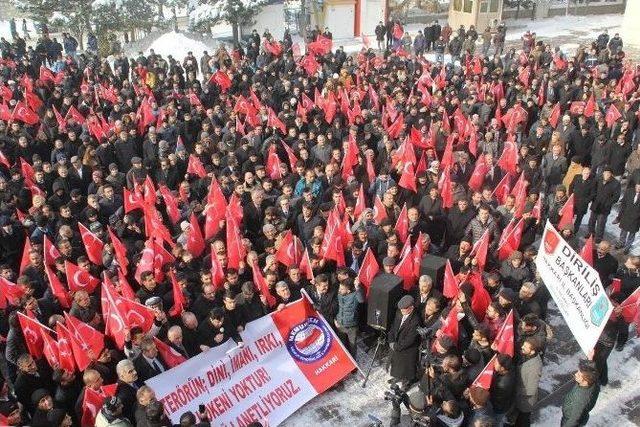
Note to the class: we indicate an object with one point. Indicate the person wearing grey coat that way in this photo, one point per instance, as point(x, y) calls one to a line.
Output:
point(528, 374)
point(554, 167)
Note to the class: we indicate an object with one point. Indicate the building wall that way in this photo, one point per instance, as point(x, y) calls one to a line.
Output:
point(371, 12)
point(271, 17)
point(339, 16)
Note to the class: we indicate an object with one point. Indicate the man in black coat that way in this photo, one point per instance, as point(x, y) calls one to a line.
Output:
point(583, 188)
point(404, 341)
point(324, 297)
point(606, 195)
point(31, 377)
point(147, 363)
point(629, 217)
point(604, 263)
point(503, 386)
point(459, 216)
point(127, 386)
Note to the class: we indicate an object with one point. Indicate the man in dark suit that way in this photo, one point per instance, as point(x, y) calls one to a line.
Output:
point(147, 363)
point(31, 376)
point(606, 195)
point(583, 188)
point(127, 386)
point(174, 336)
point(324, 297)
point(404, 341)
point(629, 217)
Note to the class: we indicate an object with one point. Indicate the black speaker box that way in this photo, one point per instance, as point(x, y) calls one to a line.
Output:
point(433, 266)
point(384, 294)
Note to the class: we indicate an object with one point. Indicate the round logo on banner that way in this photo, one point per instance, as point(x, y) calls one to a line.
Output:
point(309, 340)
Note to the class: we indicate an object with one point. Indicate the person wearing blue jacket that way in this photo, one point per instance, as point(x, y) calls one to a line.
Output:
point(350, 296)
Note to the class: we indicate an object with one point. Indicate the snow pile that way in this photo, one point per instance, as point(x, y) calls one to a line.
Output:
point(588, 27)
point(177, 45)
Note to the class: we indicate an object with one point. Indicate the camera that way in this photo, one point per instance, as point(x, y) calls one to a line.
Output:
point(396, 396)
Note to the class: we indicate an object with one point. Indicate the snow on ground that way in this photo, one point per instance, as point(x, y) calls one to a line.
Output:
point(177, 45)
point(588, 26)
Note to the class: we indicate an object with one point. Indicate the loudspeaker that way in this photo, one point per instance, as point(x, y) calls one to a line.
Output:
point(433, 266)
point(382, 303)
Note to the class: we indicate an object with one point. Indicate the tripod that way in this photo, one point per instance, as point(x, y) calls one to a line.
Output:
point(382, 339)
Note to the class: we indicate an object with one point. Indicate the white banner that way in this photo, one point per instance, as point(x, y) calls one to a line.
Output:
point(575, 287)
point(288, 357)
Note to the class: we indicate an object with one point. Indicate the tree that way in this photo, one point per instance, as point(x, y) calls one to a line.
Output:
point(524, 4)
point(205, 13)
point(38, 10)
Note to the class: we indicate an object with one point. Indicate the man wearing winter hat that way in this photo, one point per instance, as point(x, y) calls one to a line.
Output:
point(404, 341)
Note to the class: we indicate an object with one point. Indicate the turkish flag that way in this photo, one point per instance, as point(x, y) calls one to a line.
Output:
point(75, 115)
point(402, 224)
point(305, 266)
point(33, 102)
point(612, 115)
point(196, 167)
point(50, 349)
point(235, 248)
point(153, 225)
point(536, 212)
point(170, 356)
point(132, 200)
point(508, 161)
point(484, 378)
point(91, 341)
point(262, 285)
point(408, 177)
point(449, 326)
point(321, 46)
point(50, 251)
point(396, 127)
point(79, 279)
point(62, 123)
point(309, 64)
point(149, 191)
point(398, 31)
point(214, 213)
point(368, 270)
point(566, 213)
point(92, 244)
point(480, 249)
point(405, 270)
point(379, 211)
point(290, 155)
point(274, 122)
point(273, 164)
point(221, 79)
point(194, 100)
point(350, 158)
point(57, 289)
point(554, 117)
point(590, 107)
point(195, 241)
point(361, 203)
point(6, 94)
point(504, 340)
point(371, 171)
point(217, 272)
point(481, 298)
point(67, 350)
point(450, 287)
point(125, 288)
point(23, 113)
point(32, 336)
point(92, 402)
point(11, 292)
point(171, 203)
point(630, 307)
point(179, 301)
point(477, 176)
point(502, 189)
point(446, 188)
point(510, 239)
point(290, 251)
point(587, 251)
point(119, 250)
point(235, 208)
point(24, 261)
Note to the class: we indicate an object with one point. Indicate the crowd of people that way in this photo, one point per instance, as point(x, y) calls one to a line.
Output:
point(216, 165)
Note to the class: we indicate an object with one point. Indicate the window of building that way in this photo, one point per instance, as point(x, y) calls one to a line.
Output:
point(493, 6)
point(457, 5)
point(468, 6)
point(484, 7)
